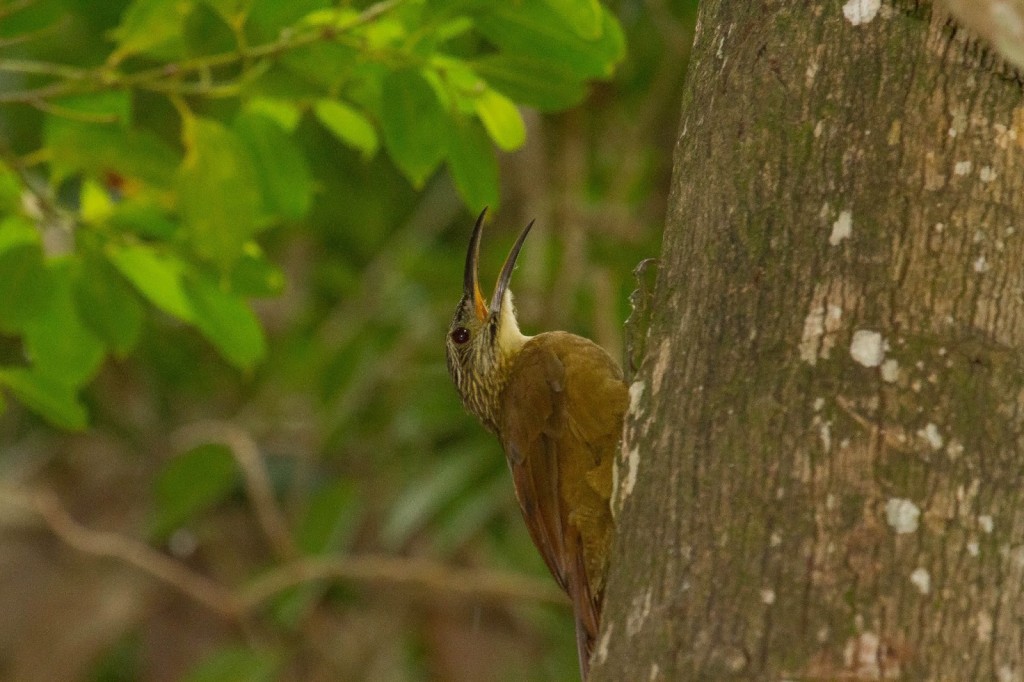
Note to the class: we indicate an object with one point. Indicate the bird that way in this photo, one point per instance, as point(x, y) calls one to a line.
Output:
point(556, 402)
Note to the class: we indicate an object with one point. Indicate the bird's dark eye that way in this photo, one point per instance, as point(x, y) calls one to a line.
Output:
point(460, 335)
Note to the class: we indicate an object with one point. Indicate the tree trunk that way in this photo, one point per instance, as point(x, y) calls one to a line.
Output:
point(823, 469)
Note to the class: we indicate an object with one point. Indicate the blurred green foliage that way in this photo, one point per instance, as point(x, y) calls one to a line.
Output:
point(253, 214)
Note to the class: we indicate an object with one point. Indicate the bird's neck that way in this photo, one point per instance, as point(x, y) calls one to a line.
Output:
point(507, 344)
point(510, 340)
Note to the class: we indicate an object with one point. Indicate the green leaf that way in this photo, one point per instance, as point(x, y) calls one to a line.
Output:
point(270, 16)
point(97, 148)
point(25, 286)
point(157, 276)
point(502, 120)
point(107, 306)
point(144, 218)
point(547, 85)
point(10, 191)
point(348, 125)
point(235, 665)
point(285, 179)
point(46, 395)
point(473, 166)
point(57, 342)
point(330, 519)
point(282, 111)
point(227, 322)
point(113, 107)
point(532, 27)
point(190, 484)
point(151, 26)
point(217, 186)
point(16, 230)
point(585, 16)
point(414, 124)
point(254, 275)
point(232, 11)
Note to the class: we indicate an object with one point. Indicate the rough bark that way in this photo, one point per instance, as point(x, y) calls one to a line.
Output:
point(823, 469)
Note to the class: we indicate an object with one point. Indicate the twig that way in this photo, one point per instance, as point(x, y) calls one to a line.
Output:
point(438, 579)
point(257, 481)
point(165, 78)
point(73, 114)
point(420, 574)
point(132, 552)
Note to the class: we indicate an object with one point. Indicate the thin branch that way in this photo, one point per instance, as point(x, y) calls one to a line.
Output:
point(73, 114)
point(167, 76)
point(417, 574)
point(132, 552)
point(439, 580)
point(30, 66)
point(257, 481)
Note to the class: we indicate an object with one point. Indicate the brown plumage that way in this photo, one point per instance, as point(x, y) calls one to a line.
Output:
point(556, 402)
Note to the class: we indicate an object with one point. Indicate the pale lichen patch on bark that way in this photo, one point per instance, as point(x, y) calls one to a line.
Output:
point(859, 12)
point(821, 326)
point(638, 613)
point(623, 483)
point(842, 228)
point(660, 366)
point(902, 515)
point(922, 580)
point(601, 654)
point(867, 347)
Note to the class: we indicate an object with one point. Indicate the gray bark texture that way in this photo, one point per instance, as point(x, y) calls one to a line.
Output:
point(822, 474)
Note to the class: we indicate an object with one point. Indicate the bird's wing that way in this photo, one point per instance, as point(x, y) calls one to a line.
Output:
point(531, 424)
point(561, 418)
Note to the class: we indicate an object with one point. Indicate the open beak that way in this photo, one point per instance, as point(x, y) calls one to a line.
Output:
point(506, 271)
point(470, 281)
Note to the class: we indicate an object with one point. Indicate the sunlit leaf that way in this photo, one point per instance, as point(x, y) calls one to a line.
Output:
point(502, 120)
point(348, 125)
point(96, 203)
point(282, 111)
point(158, 276)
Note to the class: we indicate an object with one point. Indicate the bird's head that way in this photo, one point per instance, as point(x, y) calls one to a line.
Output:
point(482, 339)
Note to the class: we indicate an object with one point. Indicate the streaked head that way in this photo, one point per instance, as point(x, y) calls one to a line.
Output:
point(483, 339)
